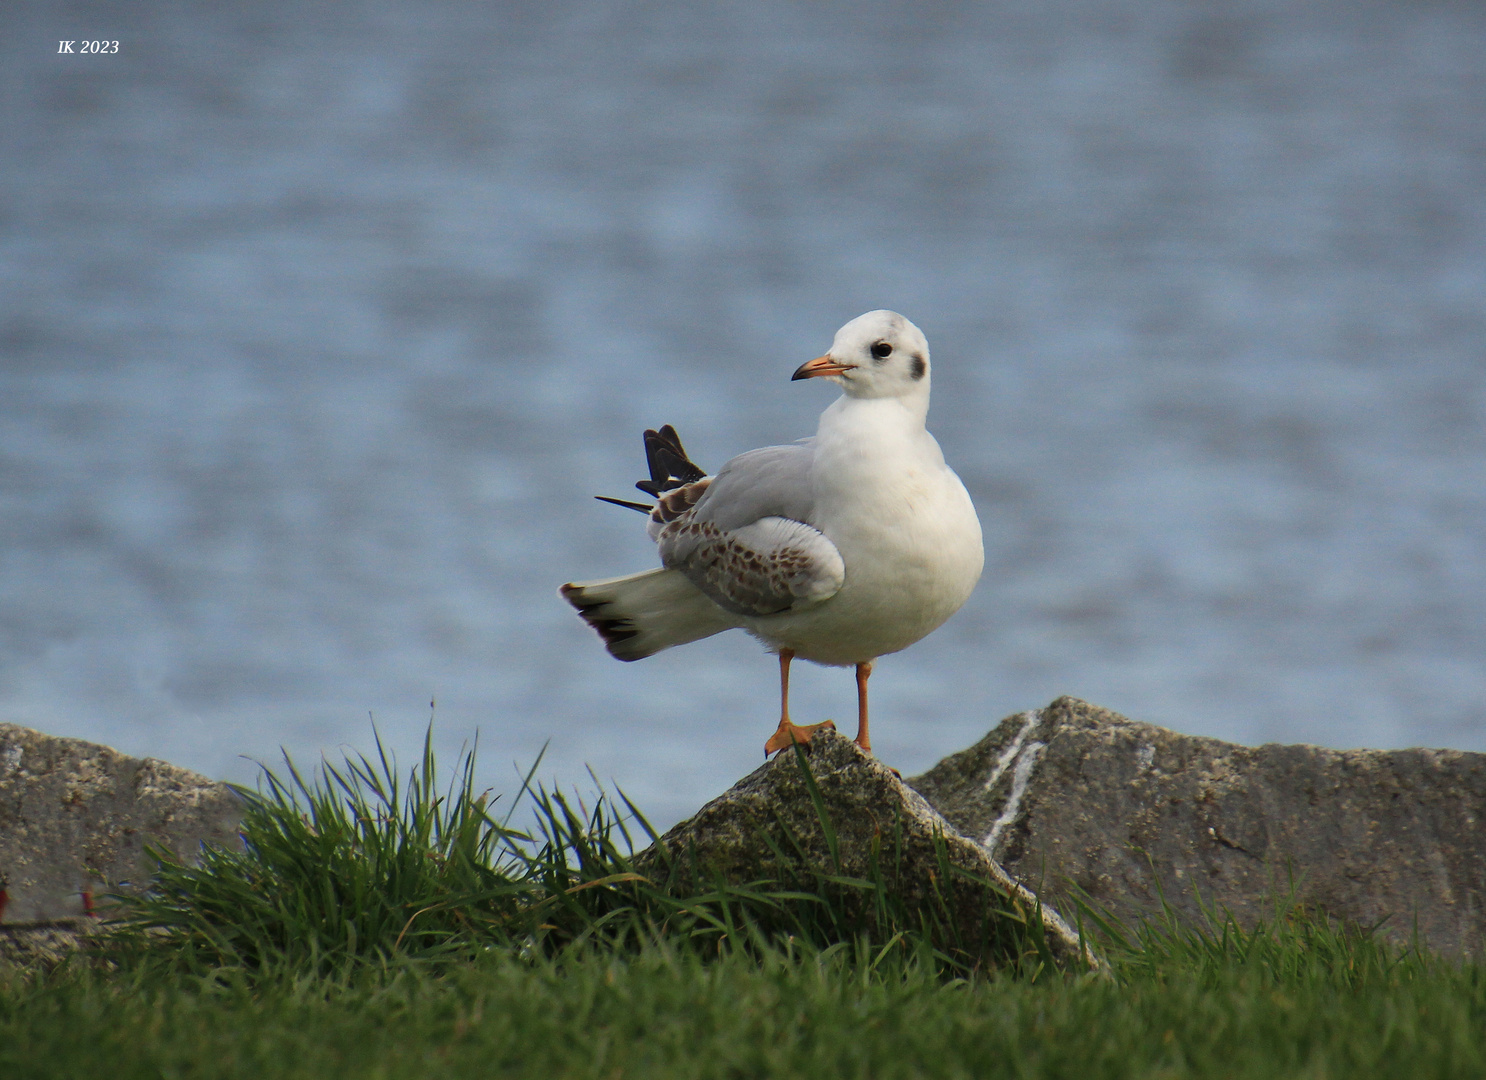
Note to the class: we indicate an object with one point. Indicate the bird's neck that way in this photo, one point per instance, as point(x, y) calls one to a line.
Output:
point(866, 450)
point(887, 416)
point(872, 436)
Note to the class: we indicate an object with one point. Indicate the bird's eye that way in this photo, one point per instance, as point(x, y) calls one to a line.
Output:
point(882, 350)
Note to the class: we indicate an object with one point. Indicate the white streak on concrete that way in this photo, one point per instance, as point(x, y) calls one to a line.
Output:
point(1029, 723)
point(1020, 778)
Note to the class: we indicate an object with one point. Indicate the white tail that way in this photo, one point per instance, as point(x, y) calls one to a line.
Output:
point(641, 614)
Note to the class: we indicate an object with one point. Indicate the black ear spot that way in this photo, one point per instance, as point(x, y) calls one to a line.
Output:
point(917, 367)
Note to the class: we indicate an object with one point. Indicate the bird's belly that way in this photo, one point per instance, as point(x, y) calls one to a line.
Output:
point(901, 583)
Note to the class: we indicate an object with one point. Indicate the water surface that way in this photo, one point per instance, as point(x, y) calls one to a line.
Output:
point(319, 327)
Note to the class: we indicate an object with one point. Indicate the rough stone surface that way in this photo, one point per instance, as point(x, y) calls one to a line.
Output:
point(75, 817)
point(1076, 793)
point(34, 946)
point(863, 799)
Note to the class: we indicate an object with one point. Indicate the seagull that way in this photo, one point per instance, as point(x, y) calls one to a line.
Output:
point(838, 549)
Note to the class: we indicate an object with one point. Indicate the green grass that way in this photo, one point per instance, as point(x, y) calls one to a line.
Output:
point(357, 865)
point(386, 927)
point(665, 1013)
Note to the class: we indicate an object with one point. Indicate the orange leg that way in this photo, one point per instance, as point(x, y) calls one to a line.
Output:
point(788, 734)
point(864, 672)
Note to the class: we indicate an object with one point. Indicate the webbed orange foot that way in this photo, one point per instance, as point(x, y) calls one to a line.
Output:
point(788, 734)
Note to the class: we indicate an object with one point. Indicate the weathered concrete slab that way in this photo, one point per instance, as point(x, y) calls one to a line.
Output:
point(863, 800)
point(75, 816)
point(41, 946)
point(1076, 793)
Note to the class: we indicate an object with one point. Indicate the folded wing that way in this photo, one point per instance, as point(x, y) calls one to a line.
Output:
point(740, 536)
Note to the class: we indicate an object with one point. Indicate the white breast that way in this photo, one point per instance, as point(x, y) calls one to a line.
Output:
point(906, 530)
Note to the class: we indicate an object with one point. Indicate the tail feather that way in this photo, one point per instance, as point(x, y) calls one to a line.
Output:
point(641, 614)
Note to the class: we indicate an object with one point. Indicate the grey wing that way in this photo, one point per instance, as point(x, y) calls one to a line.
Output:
point(742, 537)
point(773, 481)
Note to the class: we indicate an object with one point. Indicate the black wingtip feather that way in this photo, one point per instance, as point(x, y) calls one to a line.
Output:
point(669, 466)
point(644, 508)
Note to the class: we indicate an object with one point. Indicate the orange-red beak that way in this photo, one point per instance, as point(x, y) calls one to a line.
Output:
point(820, 367)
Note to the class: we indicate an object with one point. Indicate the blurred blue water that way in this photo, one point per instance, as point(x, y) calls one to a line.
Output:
point(320, 325)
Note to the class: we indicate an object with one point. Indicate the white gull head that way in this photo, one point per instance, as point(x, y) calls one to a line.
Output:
point(877, 355)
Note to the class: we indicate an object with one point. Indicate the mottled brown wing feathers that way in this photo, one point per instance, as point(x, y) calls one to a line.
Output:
point(755, 556)
point(670, 505)
point(770, 566)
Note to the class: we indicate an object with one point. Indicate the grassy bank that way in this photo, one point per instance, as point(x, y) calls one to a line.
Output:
point(382, 926)
point(661, 1014)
